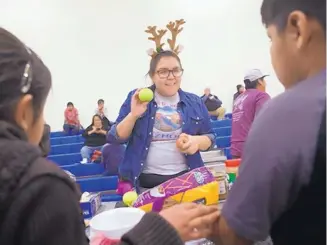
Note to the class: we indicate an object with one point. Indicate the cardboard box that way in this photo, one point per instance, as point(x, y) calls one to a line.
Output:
point(90, 205)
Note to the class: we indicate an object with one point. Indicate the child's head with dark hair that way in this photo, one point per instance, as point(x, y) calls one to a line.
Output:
point(70, 105)
point(240, 88)
point(297, 30)
point(100, 103)
point(166, 72)
point(25, 83)
point(259, 84)
point(96, 121)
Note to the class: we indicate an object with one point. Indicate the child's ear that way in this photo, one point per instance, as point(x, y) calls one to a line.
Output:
point(24, 112)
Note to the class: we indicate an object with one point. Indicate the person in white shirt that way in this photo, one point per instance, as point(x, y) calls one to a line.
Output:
point(101, 110)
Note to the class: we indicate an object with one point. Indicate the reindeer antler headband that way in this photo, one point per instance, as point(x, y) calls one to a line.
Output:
point(174, 28)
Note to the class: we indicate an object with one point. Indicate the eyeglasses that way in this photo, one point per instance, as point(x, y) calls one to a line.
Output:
point(164, 73)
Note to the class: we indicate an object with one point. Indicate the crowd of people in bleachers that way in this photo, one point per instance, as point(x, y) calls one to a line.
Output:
point(247, 102)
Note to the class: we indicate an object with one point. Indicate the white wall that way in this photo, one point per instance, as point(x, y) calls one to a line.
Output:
point(97, 48)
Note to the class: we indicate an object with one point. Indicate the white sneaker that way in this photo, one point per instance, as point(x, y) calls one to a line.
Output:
point(84, 161)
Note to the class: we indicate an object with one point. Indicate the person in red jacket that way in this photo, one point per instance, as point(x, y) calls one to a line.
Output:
point(72, 124)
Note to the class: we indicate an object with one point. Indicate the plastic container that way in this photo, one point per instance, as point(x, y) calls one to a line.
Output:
point(232, 169)
point(115, 222)
point(223, 185)
point(218, 171)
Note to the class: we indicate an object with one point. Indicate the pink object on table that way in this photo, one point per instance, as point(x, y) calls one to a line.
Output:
point(101, 239)
point(123, 187)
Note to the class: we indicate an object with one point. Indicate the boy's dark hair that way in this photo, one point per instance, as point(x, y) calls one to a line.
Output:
point(251, 85)
point(238, 87)
point(70, 104)
point(21, 72)
point(155, 60)
point(100, 101)
point(94, 116)
point(277, 11)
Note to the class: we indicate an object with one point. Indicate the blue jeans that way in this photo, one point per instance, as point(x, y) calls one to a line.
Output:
point(87, 151)
point(71, 129)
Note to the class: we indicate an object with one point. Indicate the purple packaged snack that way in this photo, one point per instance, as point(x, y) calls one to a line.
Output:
point(198, 185)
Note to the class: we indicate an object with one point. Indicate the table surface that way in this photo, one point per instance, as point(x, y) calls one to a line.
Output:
point(111, 205)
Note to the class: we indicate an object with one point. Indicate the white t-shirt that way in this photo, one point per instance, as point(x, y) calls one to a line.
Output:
point(163, 157)
point(102, 114)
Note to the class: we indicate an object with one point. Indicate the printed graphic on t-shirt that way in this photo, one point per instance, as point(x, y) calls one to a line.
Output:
point(238, 107)
point(168, 123)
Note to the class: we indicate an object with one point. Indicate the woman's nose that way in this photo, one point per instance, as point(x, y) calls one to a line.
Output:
point(171, 76)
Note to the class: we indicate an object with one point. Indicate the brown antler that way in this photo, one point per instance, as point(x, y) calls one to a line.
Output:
point(173, 27)
point(156, 37)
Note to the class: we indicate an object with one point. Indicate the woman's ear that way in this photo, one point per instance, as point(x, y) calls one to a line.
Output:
point(24, 112)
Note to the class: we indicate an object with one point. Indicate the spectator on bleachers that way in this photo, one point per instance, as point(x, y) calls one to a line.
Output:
point(72, 124)
point(45, 141)
point(151, 129)
point(112, 157)
point(246, 107)
point(95, 138)
point(213, 104)
point(240, 89)
point(102, 111)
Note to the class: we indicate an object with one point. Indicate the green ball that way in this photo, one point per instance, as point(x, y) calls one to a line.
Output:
point(129, 198)
point(146, 95)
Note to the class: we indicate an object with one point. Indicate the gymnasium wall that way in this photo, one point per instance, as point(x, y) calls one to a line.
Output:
point(97, 48)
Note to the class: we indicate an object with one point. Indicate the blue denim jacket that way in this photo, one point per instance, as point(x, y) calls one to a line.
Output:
point(195, 119)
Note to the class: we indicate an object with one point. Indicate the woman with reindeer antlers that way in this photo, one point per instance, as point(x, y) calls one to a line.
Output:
point(151, 129)
point(39, 204)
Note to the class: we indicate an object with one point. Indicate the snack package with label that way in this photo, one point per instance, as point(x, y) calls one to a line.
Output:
point(198, 185)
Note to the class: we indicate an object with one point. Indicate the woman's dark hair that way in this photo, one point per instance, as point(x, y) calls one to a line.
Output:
point(70, 104)
point(277, 11)
point(155, 60)
point(238, 87)
point(250, 85)
point(21, 72)
point(92, 124)
point(100, 101)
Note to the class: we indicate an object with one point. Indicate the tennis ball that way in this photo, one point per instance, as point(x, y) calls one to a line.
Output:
point(145, 95)
point(129, 198)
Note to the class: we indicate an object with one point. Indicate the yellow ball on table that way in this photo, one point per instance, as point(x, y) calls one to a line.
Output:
point(129, 198)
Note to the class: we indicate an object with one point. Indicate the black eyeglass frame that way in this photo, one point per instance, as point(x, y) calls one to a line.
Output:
point(171, 72)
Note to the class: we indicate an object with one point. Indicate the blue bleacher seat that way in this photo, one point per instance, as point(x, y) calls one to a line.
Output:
point(221, 123)
point(62, 133)
point(223, 131)
point(66, 159)
point(57, 134)
point(228, 153)
point(97, 184)
point(66, 140)
point(111, 198)
point(223, 142)
point(213, 118)
point(228, 115)
point(66, 148)
point(90, 169)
